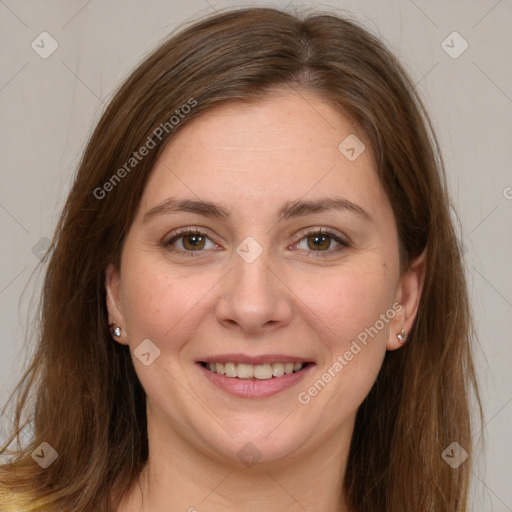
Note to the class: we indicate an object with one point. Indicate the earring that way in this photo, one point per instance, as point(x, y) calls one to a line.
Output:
point(115, 331)
point(402, 336)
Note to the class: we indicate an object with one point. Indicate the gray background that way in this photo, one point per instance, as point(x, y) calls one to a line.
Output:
point(50, 105)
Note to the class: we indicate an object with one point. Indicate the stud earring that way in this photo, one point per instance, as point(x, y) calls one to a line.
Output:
point(402, 336)
point(115, 331)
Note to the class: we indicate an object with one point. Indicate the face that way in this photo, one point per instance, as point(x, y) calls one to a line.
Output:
point(260, 242)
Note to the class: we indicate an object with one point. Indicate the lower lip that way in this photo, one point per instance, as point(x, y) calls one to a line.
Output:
point(255, 388)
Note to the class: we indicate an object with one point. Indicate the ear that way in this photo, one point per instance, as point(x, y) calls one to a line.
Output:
point(113, 300)
point(408, 294)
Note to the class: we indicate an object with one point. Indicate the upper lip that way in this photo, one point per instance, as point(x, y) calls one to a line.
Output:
point(254, 360)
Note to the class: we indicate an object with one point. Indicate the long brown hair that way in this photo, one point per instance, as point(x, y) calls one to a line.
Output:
point(87, 401)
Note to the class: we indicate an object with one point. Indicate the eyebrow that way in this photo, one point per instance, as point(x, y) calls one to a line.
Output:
point(291, 209)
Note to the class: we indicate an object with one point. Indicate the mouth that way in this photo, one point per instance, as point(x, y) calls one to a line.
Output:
point(264, 371)
point(266, 377)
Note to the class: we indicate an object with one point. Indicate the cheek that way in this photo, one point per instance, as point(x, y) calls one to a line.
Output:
point(156, 302)
point(352, 308)
point(349, 302)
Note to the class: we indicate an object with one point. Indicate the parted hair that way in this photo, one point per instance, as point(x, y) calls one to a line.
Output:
point(80, 393)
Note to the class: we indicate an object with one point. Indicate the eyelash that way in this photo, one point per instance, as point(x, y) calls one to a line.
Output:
point(321, 232)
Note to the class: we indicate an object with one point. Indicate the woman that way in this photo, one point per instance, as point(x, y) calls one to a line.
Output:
point(255, 298)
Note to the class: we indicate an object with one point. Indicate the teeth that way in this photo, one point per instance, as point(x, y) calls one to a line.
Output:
point(288, 368)
point(263, 371)
point(230, 370)
point(278, 369)
point(258, 371)
point(245, 371)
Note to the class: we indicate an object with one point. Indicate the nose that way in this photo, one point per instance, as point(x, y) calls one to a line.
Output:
point(253, 298)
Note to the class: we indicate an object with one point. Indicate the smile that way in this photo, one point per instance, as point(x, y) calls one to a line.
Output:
point(254, 381)
point(250, 371)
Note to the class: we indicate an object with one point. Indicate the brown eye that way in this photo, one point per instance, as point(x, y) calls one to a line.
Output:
point(319, 241)
point(189, 242)
point(193, 242)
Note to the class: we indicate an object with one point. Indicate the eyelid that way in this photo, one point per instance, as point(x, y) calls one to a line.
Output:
point(189, 230)
point(343, 240)
point(180, 233)
point(325, 231)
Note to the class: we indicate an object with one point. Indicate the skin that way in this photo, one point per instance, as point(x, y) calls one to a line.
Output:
point(293, 299)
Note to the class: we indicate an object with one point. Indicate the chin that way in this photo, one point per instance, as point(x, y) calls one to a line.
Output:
point(263, 441)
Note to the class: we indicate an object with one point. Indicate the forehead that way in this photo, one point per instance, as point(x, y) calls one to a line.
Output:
point(262, 154)
point(279, 121)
